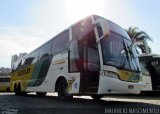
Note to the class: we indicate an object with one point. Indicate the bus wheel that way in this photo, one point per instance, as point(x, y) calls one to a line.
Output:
point(63, 92)
point(17, 89)
point(41, 93)
point(97, 97)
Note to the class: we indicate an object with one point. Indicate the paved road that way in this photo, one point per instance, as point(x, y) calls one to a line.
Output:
point(32, 104)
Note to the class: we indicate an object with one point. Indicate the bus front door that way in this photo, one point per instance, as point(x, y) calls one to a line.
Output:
point(92, 70)
point(90, 65)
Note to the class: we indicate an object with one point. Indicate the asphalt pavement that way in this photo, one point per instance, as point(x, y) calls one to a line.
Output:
point(33, 104)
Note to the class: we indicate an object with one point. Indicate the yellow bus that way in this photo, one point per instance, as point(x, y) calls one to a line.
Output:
point(4, 83)
point(92, 57)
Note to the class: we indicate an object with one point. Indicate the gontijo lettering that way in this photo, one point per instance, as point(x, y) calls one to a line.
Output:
point(23, 72)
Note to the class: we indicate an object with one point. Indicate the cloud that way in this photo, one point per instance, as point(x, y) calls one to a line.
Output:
point(15, 40)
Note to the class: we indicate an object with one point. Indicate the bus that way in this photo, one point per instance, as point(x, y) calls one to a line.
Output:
point(5, 83)
point(92, 57)
point(150, 66)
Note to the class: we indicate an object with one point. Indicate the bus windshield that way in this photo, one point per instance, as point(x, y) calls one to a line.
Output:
point(4, 79)
point(117, 53)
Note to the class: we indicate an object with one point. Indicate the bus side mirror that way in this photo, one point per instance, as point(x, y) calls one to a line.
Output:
point(104, 25)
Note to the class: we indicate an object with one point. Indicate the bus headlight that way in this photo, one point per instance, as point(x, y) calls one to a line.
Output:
point(110, 74)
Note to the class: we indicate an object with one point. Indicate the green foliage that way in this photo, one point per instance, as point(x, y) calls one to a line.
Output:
point(139, 37)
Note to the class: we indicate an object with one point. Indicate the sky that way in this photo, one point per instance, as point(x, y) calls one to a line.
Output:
point(26, 24)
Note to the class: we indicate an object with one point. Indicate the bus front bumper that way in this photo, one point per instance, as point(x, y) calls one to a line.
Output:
point(108, 85)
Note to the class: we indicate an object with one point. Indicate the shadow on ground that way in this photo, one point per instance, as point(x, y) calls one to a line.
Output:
point(32, 104)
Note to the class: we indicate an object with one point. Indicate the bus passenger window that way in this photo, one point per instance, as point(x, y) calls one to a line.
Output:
point(74, 56)
point(19, 65)
point(28, 61)
point(45, 51)
point(60, 43)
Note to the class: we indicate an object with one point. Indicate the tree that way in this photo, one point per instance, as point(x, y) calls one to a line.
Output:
point(139, 38)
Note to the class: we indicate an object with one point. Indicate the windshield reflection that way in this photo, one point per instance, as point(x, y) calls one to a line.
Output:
point(117, 52)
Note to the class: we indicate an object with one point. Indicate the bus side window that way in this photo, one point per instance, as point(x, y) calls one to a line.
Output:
point(73, 56)
point(45, 56)
point(45, 51)
point(16, 66)
point(35, 56)
point(156, 66)
point(60, 43)
point(19, 65)
point(28, 61)
point(23, 60)
point(144, 68)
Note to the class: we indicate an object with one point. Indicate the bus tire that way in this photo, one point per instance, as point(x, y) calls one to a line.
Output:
point(63, 92)
point(41, 93)
point(15, 89)
point(96, 97)
point(18, 91)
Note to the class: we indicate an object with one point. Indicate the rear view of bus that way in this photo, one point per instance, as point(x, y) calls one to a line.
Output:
point(104, 55)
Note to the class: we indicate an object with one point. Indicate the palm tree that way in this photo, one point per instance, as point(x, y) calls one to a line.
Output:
point(139, 38)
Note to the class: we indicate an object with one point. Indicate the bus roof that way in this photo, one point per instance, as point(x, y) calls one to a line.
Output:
point(110, 23)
